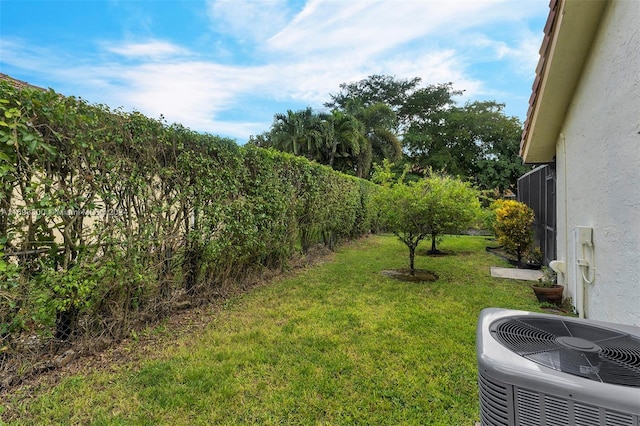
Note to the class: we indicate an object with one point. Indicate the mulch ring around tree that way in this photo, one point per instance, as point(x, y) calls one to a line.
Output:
point(439, 253)
point(420, 275)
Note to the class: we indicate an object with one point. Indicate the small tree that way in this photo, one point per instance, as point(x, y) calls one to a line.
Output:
point(453, 205)
point(429, 207)
point(403, 212)
point(513, 227)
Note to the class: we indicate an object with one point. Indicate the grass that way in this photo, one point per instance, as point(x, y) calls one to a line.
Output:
point(338, 343)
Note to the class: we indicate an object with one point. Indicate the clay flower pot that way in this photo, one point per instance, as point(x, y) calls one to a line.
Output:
point(551, 294)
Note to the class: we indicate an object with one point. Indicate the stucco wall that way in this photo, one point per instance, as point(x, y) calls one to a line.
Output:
point(598, 163)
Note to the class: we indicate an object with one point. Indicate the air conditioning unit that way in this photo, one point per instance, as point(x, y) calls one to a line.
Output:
point(549, 370)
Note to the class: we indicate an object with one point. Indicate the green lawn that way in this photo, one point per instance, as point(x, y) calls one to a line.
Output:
point(337, 343)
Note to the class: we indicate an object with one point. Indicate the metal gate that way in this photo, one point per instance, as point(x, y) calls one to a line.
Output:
point(537, 189)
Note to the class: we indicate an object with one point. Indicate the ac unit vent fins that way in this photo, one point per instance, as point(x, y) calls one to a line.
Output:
point(588, 351)
point(496, 402)
point(619, 419)
point(586, 415)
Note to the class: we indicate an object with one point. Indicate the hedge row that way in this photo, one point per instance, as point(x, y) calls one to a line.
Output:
point(107, 217)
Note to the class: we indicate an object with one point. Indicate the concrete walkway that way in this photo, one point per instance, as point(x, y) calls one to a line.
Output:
point(516, 274)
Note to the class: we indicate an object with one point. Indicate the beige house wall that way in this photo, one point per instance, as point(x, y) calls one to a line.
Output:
point(598, 170)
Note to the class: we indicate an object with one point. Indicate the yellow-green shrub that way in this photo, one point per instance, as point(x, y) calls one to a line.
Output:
point(513, 226)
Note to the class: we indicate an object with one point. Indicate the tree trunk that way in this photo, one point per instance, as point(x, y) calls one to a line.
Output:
point(412, 255)
point(164, 281)
point(332, 156)
point(434, 250)
point(191, 266)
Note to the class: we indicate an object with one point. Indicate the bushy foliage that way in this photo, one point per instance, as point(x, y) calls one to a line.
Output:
point(476, 141)
point(347, 141)
point(453, 206)
point(105, 216)
point(513, 226)
point(429, 207)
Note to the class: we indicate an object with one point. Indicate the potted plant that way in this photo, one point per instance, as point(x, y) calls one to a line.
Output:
point(547, 289)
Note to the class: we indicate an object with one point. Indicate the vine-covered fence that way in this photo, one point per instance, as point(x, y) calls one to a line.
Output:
point(108, 218)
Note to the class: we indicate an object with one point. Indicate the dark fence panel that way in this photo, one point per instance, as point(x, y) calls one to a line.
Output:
point(537, 189)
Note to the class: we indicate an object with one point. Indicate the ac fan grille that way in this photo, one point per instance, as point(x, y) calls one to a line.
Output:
point(616, 359)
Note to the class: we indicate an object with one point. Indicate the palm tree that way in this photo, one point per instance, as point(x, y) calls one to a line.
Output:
point(287, 132)
point(314, 135)
point(379, 122)
point(300, 133)
point(349, 141)
point(349, 136)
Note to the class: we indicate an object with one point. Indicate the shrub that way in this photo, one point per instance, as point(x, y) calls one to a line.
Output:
point(430, 207)
point(105, 216)
point(453, 206)
point(513, 227)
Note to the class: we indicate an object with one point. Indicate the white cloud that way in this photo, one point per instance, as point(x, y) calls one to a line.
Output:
point(18, 53)
point(314, 79)
point(526, 54)
point(187, 91)
point(305, 57)
point(248, 20)
point(521, 51)
point(435, 67)
point(375, 26)
point(354, 26)
point(154, 49)
point(194, 94)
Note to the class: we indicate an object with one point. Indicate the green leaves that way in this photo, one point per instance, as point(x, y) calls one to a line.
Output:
point(118, 212)
point(348, 141)
point(513, 226)
point(433, 206)
point(476, 141)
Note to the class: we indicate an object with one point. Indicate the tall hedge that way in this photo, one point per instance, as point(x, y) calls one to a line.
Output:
point(108, 218)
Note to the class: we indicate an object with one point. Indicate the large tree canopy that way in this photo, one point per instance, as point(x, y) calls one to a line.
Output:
point(410, 102)
point(406, 122)
point(373, 90)
point(477, 141)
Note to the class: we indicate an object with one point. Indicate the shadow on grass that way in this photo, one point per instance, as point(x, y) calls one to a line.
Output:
point(420, 275)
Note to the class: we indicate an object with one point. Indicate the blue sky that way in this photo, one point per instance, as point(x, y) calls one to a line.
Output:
point(227, 66)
